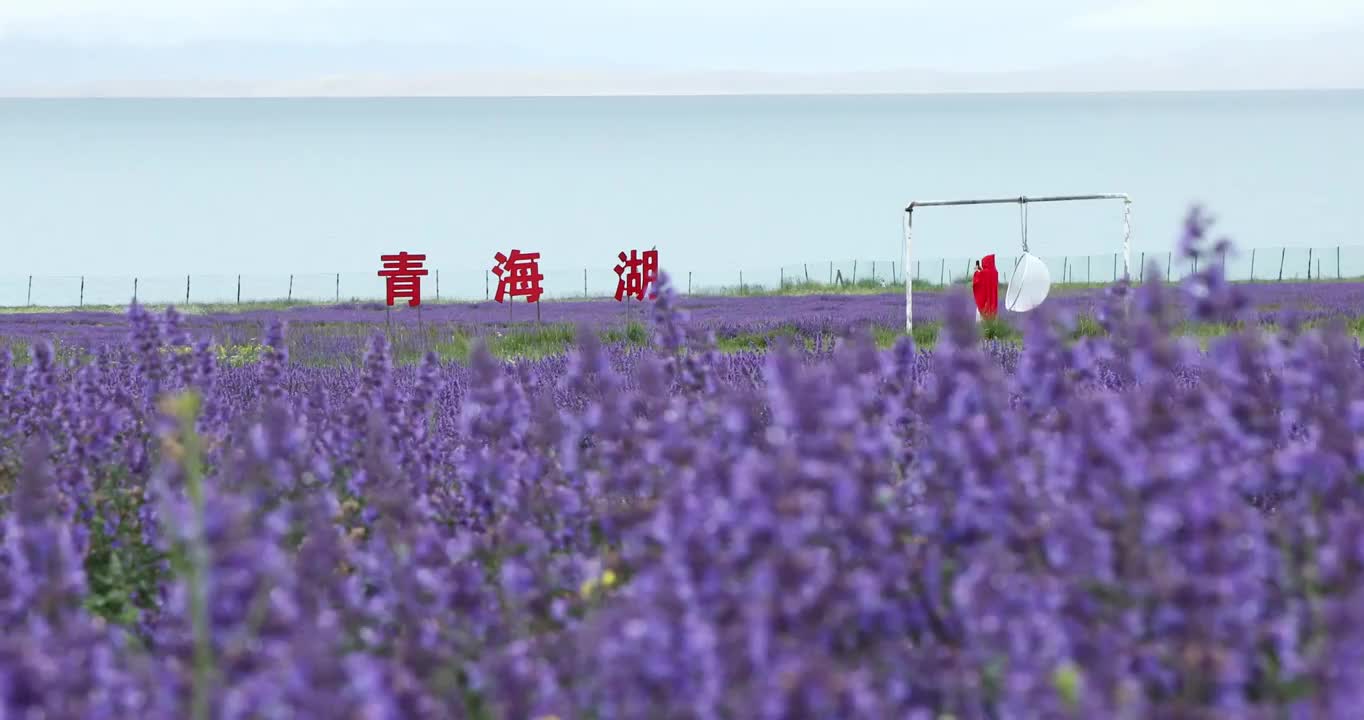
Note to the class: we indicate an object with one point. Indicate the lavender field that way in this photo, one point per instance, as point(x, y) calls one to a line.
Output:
point(328, 513)
point(328, 335)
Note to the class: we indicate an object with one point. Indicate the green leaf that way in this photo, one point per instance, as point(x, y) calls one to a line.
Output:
point(1067, 681)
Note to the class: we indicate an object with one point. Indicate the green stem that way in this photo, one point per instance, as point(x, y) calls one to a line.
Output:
point(187, 410)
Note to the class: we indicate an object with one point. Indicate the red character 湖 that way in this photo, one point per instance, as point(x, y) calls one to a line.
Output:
point(637, 274)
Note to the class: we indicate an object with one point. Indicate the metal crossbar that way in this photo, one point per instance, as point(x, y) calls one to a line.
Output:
point(1022, 201)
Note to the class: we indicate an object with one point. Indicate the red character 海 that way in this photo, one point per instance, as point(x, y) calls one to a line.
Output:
point(518, 275)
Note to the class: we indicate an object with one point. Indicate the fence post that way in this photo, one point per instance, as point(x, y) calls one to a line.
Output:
point(486, 274)
point(873, 270)
point(1252, 264)
point(918, 265)
point(807, 272)
point(741, 282)
point(437, 286)
point(1065, 265)
point(892, 272)
point(1169, 262)
point(688, 283)
point(239, 289)
point(584, 283)
point(1141, 274)
point(1115, 267)
point(1282, 255)
point(82, 300)
point(30, 291)
point(338, 286)
point(290, 296)
point(831, 272)
point(854, 277)
point(1309, 263)
point(134, 291)
point(942, 272)
point(781, 279)
point(186, 289)
point(1337, 262)
point(1089, 269)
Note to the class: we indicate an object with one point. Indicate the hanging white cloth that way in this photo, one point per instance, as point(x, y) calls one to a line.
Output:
point(1029, 284)
point(1031, 280)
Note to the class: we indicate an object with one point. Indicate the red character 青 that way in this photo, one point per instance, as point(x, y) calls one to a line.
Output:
point(637, 274)
point(518, 275)
point(403, 273)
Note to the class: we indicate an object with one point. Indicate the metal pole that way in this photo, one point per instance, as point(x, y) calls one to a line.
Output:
point(1115, 267)
point(1169, 261)
point(239, 289)
point(290, 296)
point(807, 273)
point(82, 300)
point(30, 291)
point(486, 274)
point(909, 286)
point(1337, 262)
point(873, 270)
point(1025, 199)
point(1089, 269)
point(1282, 255)
point(1127, 237)
point(688, 283)
point(1309, 263)
point(831, 272)
point(1065, 265)
point(892, 272)
point(419, 307)
point(781, 281)
point(1141, 272)
point(186, 289)
point(942, 272)
point(741, 282)
point(338, 286)
point(1252, 264)
point(854, 277)
point(584, 282)
point(134, 290)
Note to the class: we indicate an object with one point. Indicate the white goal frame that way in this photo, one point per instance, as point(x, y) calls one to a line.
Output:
point(1021, 201)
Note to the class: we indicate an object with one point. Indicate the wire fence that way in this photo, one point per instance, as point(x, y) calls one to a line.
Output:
point(563, 283)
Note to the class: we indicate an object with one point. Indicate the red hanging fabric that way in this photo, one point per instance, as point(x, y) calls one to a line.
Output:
point(985, 286)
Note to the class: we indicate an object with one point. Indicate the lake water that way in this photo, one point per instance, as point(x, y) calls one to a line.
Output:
point(768, 186)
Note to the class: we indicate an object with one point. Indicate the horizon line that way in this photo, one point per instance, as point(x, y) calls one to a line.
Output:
point(685, 94)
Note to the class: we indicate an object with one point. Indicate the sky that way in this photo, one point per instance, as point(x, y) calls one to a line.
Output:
point(378, 47)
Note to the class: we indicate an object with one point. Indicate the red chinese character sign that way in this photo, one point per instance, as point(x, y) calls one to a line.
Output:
point(637, 274)
point(518, 275)
point(403, 273)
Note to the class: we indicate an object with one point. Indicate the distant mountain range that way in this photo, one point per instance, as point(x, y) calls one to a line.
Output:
point(1329, 65)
